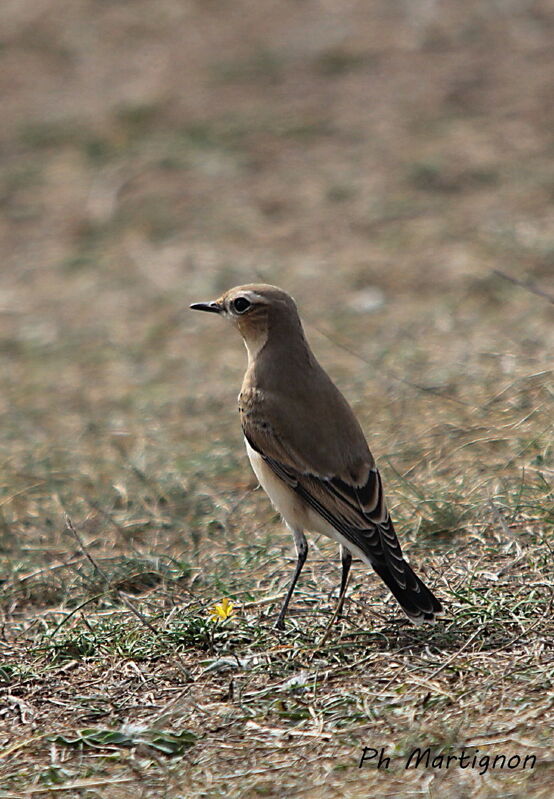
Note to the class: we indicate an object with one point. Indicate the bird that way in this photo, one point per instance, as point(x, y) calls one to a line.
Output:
point(308, 450)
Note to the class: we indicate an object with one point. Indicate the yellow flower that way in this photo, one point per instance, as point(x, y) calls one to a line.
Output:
point(222, 610)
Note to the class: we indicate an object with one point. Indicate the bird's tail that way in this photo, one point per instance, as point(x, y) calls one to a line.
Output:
point(416, 600)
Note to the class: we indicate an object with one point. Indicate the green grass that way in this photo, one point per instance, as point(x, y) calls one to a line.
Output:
point(166, 528)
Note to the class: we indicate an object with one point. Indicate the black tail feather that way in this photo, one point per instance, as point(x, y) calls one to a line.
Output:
point(416, 600)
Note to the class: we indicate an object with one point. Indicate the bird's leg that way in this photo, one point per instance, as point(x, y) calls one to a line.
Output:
point(302, 552)
point(346, 560)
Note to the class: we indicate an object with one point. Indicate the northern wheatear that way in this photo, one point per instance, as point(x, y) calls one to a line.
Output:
point(307, 449)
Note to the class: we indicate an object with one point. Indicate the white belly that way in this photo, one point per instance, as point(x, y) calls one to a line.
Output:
point(283, 498)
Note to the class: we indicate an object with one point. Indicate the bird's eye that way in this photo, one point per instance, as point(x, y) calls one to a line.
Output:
point(241, 305)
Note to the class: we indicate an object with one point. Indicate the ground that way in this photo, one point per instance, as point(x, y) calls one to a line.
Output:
point(389, 164)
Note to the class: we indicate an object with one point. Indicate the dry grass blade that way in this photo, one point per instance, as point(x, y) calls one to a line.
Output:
point(528, 285)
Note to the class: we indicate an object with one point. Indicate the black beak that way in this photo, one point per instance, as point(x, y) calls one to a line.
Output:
point(211, 307)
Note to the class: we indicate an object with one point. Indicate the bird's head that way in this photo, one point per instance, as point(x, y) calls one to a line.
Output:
point(257, 310)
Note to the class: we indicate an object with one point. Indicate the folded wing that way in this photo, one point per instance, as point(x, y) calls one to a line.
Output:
point(358, 512)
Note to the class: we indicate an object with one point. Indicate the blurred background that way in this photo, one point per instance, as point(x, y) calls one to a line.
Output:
point(377, 160)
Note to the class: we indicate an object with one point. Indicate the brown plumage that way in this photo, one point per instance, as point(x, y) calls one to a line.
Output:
point(308, 449)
